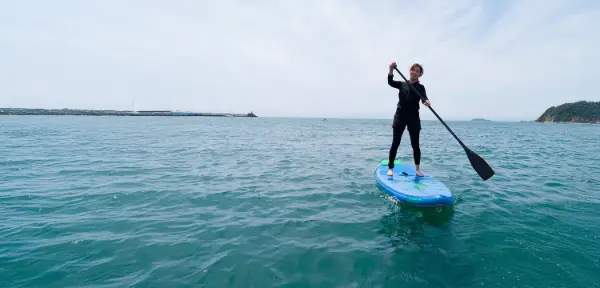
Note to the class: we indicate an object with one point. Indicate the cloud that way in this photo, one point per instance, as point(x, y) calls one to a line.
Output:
point(494, 59)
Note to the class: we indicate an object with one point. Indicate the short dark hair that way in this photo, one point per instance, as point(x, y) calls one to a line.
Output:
point(420, 67)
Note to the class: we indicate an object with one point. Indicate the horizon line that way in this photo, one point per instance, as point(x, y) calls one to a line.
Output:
point(349, 117)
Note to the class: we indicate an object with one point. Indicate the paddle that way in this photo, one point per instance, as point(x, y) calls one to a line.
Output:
point(481, 167)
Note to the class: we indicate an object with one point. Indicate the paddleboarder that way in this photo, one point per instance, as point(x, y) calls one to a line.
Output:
point(407, 114)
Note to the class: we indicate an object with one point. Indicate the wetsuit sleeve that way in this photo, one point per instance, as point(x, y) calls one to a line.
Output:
point(424, 94)
point(395, 84)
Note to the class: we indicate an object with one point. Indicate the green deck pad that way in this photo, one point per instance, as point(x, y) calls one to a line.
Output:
point(386, 161)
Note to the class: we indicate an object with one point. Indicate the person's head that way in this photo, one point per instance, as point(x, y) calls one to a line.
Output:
point(416, 71)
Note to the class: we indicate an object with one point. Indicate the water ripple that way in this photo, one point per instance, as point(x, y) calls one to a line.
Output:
point(221, 202)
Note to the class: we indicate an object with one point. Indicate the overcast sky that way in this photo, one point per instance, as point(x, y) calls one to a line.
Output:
point(498, 59)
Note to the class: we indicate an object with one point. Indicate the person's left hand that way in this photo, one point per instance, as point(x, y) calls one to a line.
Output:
point(427, 103)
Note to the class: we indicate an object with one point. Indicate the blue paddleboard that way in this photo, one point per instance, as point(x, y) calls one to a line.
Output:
point(407, 187)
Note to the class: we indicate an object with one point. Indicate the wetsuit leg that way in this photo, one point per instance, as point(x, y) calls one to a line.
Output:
point(414, 130)
point(398, 129)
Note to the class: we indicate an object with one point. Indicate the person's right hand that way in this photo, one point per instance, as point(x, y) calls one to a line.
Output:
point(392, 66)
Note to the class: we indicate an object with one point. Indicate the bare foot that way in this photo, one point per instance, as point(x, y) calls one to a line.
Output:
point(419, 173)
point(390, 172)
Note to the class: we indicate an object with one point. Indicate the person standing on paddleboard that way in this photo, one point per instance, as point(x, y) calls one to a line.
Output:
point(407, 114)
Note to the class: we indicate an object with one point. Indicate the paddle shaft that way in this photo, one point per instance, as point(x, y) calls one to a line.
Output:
point(481, 167)
point(436, 115)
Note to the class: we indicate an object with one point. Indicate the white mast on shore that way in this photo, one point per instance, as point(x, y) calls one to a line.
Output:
point(133, 106)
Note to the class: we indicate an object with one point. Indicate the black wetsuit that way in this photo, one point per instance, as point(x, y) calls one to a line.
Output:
point(406, 116)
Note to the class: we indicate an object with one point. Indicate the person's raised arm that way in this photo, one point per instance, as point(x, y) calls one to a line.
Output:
point(390, 77)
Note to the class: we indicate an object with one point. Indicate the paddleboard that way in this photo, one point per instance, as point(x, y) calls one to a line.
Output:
point(406, 186)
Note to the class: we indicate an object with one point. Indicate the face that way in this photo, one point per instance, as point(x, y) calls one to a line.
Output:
point(415, 72)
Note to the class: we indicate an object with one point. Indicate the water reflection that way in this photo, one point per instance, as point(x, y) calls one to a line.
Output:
point(423, 246)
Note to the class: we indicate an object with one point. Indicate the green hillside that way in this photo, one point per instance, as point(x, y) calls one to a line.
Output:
point(578, 112)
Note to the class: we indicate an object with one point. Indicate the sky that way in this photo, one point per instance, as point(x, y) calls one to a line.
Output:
point(495, 59)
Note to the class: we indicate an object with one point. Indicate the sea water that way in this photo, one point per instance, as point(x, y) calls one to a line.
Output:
point(269, 202)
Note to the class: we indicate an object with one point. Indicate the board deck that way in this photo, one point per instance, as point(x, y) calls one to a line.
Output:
point(407, 187)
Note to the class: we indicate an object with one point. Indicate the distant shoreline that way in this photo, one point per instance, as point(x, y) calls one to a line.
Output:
point(559, 122)
point(85, 112)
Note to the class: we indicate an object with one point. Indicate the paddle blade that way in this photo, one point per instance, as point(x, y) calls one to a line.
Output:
point(481, 167)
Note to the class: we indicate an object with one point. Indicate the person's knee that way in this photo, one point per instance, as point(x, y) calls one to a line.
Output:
point(416, 151)
point(416, 148)
point(414, 143)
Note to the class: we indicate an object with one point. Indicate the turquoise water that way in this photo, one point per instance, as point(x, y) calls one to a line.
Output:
point(265, 202)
